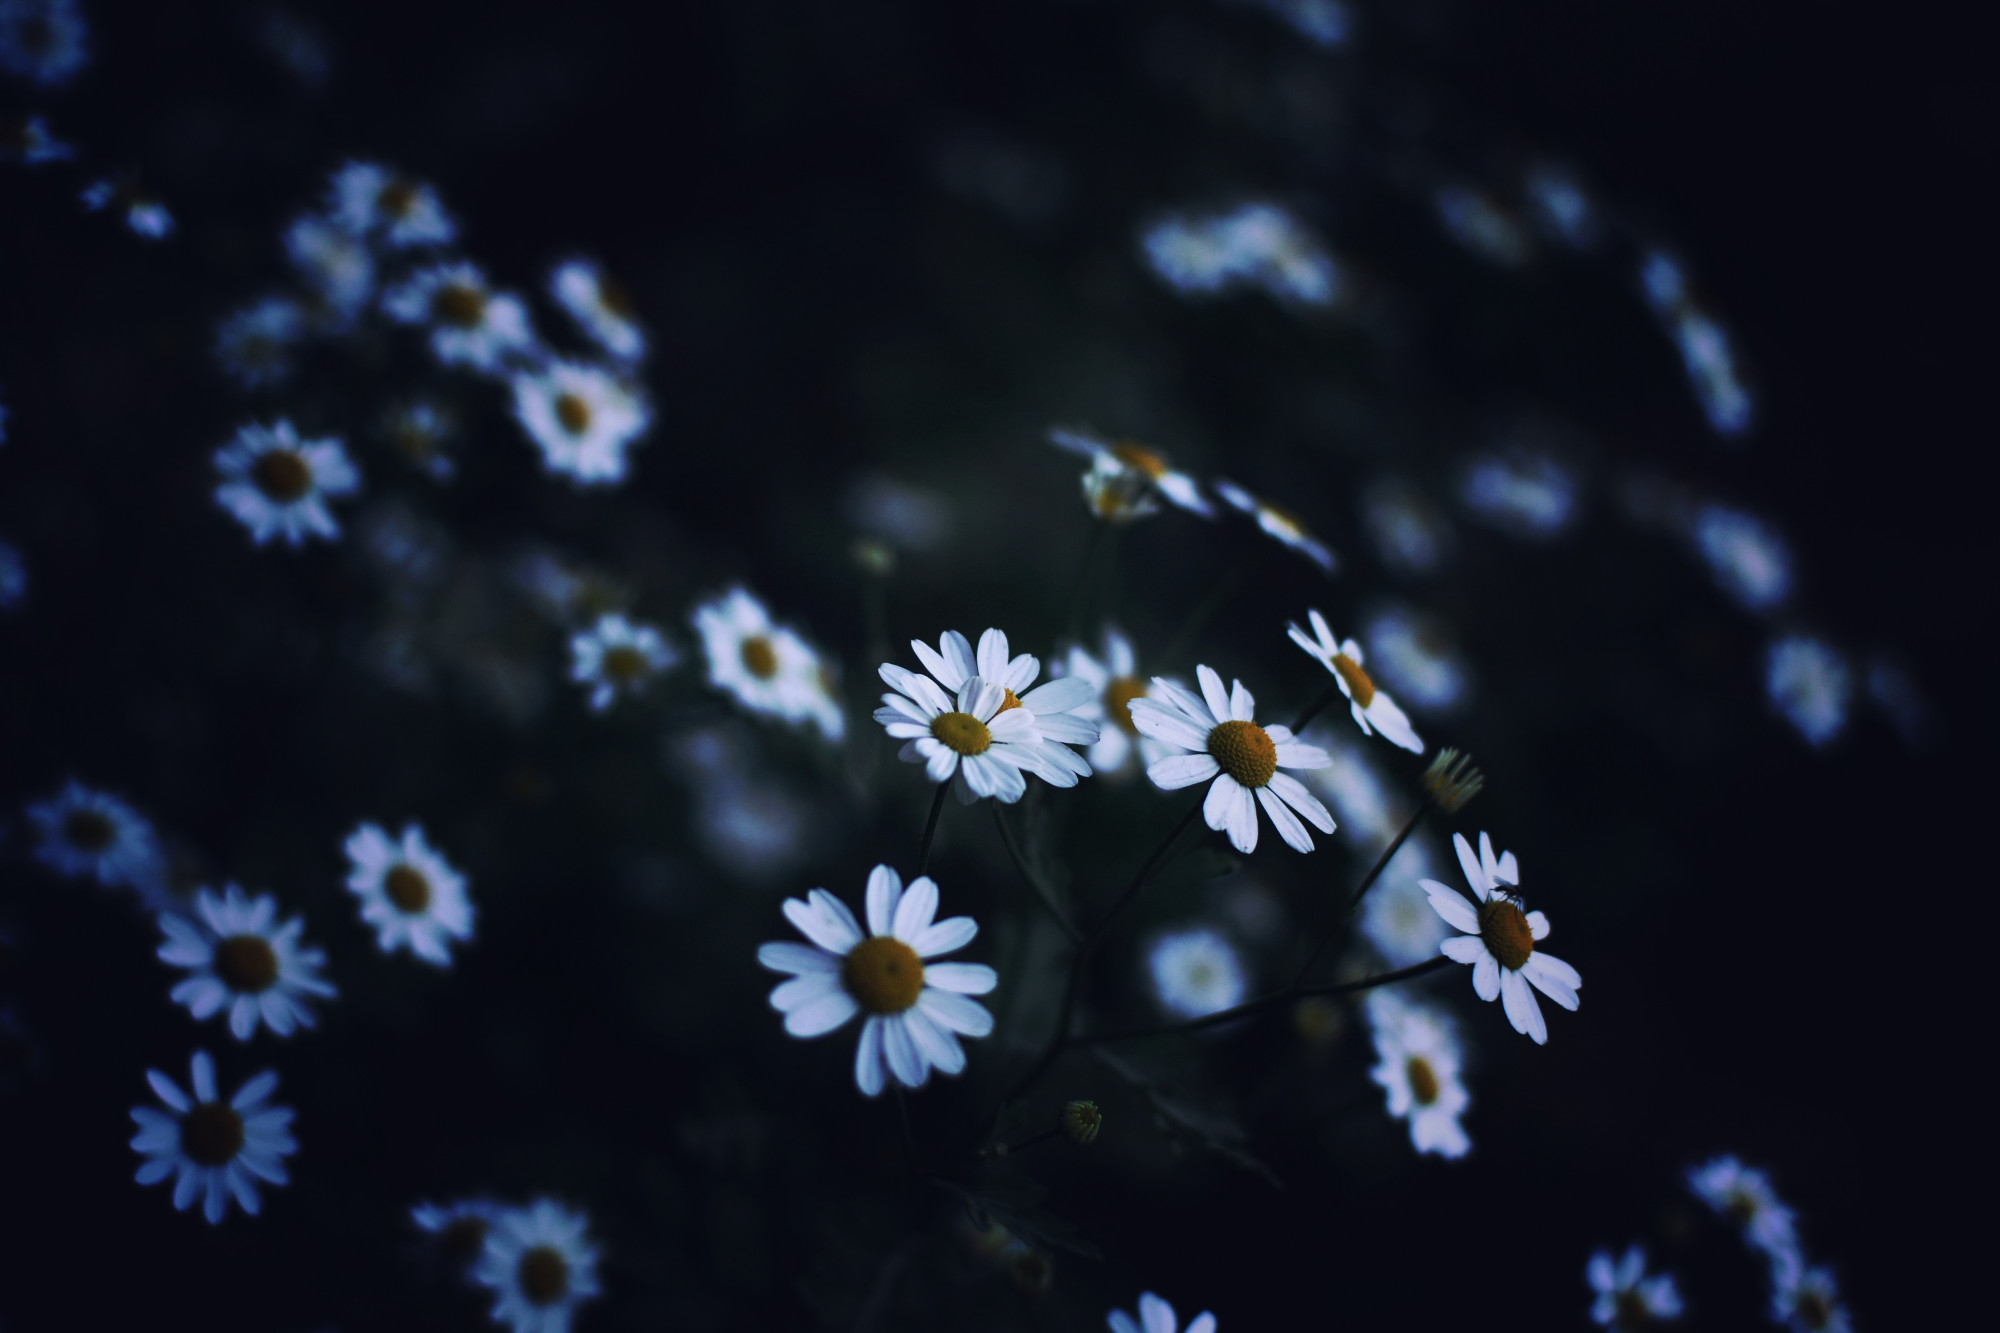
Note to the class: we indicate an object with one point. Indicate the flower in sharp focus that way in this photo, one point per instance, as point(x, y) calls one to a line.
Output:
point(408, 892)
point(600, 307)
point(45, 41)
point(1419, 1068)
point(255, 344)
point(373, 201)
point(460, 1227)
point(1196, 973)
point(1116, 680)
point(582, 417)
point(768, 668)
point(278, 484)
point(914, 1010)
point(240, 958)
point(540, 1265)
point(1744, 1195)
point(95, 834)
point(1280, 525)
point(1810, 1303)
point(1127, 479)
point(617, 656)
point(1156, 1316)
point(1242, 758)
point(470, 325)
point(1371, 705)
point(1627, 1299)
point(213, 1149)
point(1500, 939)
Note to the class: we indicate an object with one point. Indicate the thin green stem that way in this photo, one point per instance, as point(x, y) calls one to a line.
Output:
point(930, 828)
point(1035, 881)
point(1315, 708)
point(1367, 883)
point(1079, 602)
point(1258, 1006)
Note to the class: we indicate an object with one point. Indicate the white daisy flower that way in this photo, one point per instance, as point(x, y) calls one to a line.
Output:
point(408, 892)
point(44, 41)
point(1196, 973)
point(1281, 525)
point(1523, 492)
point(1116, 682)
point(1156, 1316)
point(617, 656)
point(540, 1266)
point(1052, 705)
point(93, 834)
point(1810, 1303)
point(1242, 757)
point(26, 139)
point(1372, 707)
point(278, 484)
point(1126, 478)
point(1396, 917)
point(913, 1008)
point(460, 1227)
point(1809, 681)
point(1749, 560)
point(1745, 1196)
point(1419, 1067)
point(470, 324)
point(582, 417)
point(241, 959)
point(1500, 939)
point(214, 1149)
point(1414, 652)
point(1627, 1299)
point(372, 200)
point(600, 307)
point(767, 667)
point(255, 344)
point(337, 266)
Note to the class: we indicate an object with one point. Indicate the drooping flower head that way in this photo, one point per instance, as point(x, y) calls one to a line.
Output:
point(617, 657)
point(1500, 938)
point(408, 892)
point(1280, 525)
point(215, 1149)
point(765, 666)
point(1628, 1300)
point(277, 484)
point(1418, 1065)
point(1127, 480)
point(1371, 705)
point(540, 1264)
point(240, 958)
point(582, 417)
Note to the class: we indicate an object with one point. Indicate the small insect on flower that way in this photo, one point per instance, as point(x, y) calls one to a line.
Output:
point(582, 417)
point(1371, 705)
point(1116, 680)
point(618, 656)
point(1500, 939)
point(460, 1228)
point(215, 1150)
point(768, 668)
point(600, 307)
point(1628, 1300)
point(374, 201)
point(146, 216)
point(408, 892)
point(1156, 1316)
point(1811, 1303)
point(1242, 758)
point(93, 834)
point(471, 325)
point(26, 139)
point(1419, 1067)
point(44, 41)
point(1196, 973)
point(240, 958)
point(1127, 480)
point(1280, 525)
point(540, 1264)
point(914, 1010)
point(278, 484)
point(255, 344)
point(1745, 1197)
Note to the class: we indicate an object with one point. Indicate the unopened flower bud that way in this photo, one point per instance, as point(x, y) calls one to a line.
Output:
point(1081, 1121)
point(1451, 781)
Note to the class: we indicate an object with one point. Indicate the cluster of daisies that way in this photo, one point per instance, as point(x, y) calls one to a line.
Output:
point(538, 1261)
point(1804, 1297)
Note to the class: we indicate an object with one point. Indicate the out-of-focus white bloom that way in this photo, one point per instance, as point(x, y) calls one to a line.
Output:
point(1627, 1299)
point(1156, 1316)
point(373, 201)
point(751, 825)
point(767, 667)
point(460, 1227)
point(1281, 525)
point(13, 577)
point(1116, 682)
point(44, 41)
point(215, 1150)
point(255, 344)
point(92, 834)
point(240, 958)
point(26, 139)
point(1126, 478)
point(1524, 494)
point(1418, 1065)
point(1811, 1304)
point(1744, 1196)
point(1562, 207)
point(1241, 757)
point(1414, 654)
point(1702, 342)
point(337, 266)
point(912, 517)
point(600, 307)
point(1396, 917)
point(1810, 683)
point(1367, 806)
point(1411, 536)
point(1257, 245)
point(915, 1010)
point(1475, 221)
point(419, 430)
point(1500, 939)
point(1749, 560)
point(408, 892)
point(278, 484)
point(1325, 22)
point(617, 656)
point(144, 215)
point(1372, 707)
point(540, 1265)
point(583, 418)
point(1196, 972)
point(470, 324)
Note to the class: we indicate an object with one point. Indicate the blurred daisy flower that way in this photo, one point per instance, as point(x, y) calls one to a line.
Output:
point(1372, 707)
point(1500, 939)
point(1810, 683)
point(1524, 493)
point(93, 834)
point(1280, 525)
point(582, 417)
point(1126, 479)
point(1411, 535)
point(1260, 245)
point(1156, 1316)
point(470, 324)
point(239, 958)
point(1744, 1196)
point(912, 1008)
point(1811, 1304)
point(1414, 652)
point(540, 1265)
point(215, 1150)
point(144, 215)
point(1749, 560)
point(1196, 972)
point(617, 656)
point(374, 201)
point(460, 1228)
point(26, 139)
point(1396, 918)
point(767, 667)
point(1627, 1299)
point(44, 41)
point(278, 484)
point(600, 307)
point(255, 344)
point(1242, 758)
point(1116, 683)
point(418, 430)
point(408, 892)
point(338, 269)
point(1418, 1065)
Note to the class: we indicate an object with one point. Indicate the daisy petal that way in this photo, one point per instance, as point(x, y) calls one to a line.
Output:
point(1553, 978)
point(868, 1058)
point(1522, 1011)
point(1288, 825)
point(1294, 794)
point(938, 1047)
point(885, 886)
point(899, 1049)
point(1485, 975)
point(1538, 925)
point(1155, 719)
point(1242, 817)
point(1463, 949)
point(1242, 707)
point(831, 928)
point(800, 959)
point(1183, 770)
point(1451, 905)
point(1185, 699)
point(962, 978)
point(1060, 695)
point(821, 1014)
point(1212, 693)
point(914, 913)
point(1469, 863)
point(952, 933)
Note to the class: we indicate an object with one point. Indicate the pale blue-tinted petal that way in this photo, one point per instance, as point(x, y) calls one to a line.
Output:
point(1059, 695)
point(800, 959)
point(899, 1048)
point(1451, 905)
point(1212, 693)
point(916, 910)
point(168, 1091)
point(1522, 1011)
point(1294, 794)
point(201, 1071)
point(822, 1014)
point(955, 1011)
point(934, 1044)
point(1463, 949)
point(1242, 707)
point(254, 1090)
point(1183, 770)
point(1288, 825)
point(990, 660)
point(951, 933)
point(1485, 974)
point(885, 886)
point(1153, 718)
point(868, 1058)
point(154, 1171)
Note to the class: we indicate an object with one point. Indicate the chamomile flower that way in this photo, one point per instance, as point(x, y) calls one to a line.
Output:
point(1373, 709)
point(1116, 682)
point(1126, 479)
point(240, 958)
point(46, 41)
point(278, 484)
point(1396, 917)
point(540, 1265)
point(767, 667)
point(1419, 1068)
point(914, 1010)
point(1500, 939)
point(338, 268)
point(408, 892)
point(1627, 1299)
point(1156, 1316)
point(617, 656)
point(582, 417)
point(215, 1150)
point(255, 344)
point(1196, 972)
point(460, 1227)
point(1280, 525)
point(1744, 1196)
point(600, 307)
point(93, 834)
point(1242, 758)
point(26, 139)
point(1052, 705)
point(1810, 1303)
point(374, 201)
point(470, 324)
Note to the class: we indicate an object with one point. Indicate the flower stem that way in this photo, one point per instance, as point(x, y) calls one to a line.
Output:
point(1035, 881)
point(1315, 708)
point(1079, 604)
point(930, 828)
point(1000, 1150)
point(1257, 1006)
point(1367, 883)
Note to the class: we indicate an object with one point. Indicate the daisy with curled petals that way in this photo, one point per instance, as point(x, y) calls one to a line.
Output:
point(1500, 938)
point(1280, 525)
point(239, 958)
point(470, 324)
point(213, 1149)
point(1126, 479)
point(1116, 682)
point(915, 1010)
point(1419, 1069)
point(408, 892)
point(540, 1265)
point(1156, 1316)
point(1242, 757)
point(277, 484)
point(1372, 707)
point(94, 834)
point(1053, 706)
point(617, 656)
point(1627, 1299)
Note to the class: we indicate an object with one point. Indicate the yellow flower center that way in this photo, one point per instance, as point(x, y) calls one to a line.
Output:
point(962, 732)
point(1012, 700)
point(1118, 697)
point(1133, 454)
point(87, 830)
point(760, 659)
point(1505, 929)
point(883, 974)
point(544, 1275)
point(1245, 751)
point(246, 963)
point(573, 413)
point(624, 663)
point(397, 198)
point(1359, 686)
point(282, 475)
point(407, 888)
point(1423, 1080)
point(458, 305)
point(211, 1134)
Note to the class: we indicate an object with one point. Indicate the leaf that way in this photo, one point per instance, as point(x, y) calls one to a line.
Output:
point(1011, 1200)
point(1213, 1130)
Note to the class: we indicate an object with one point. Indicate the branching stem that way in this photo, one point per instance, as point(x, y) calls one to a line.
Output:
point(1258, 1006)
point(1367, 883)
point(1035, 881)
